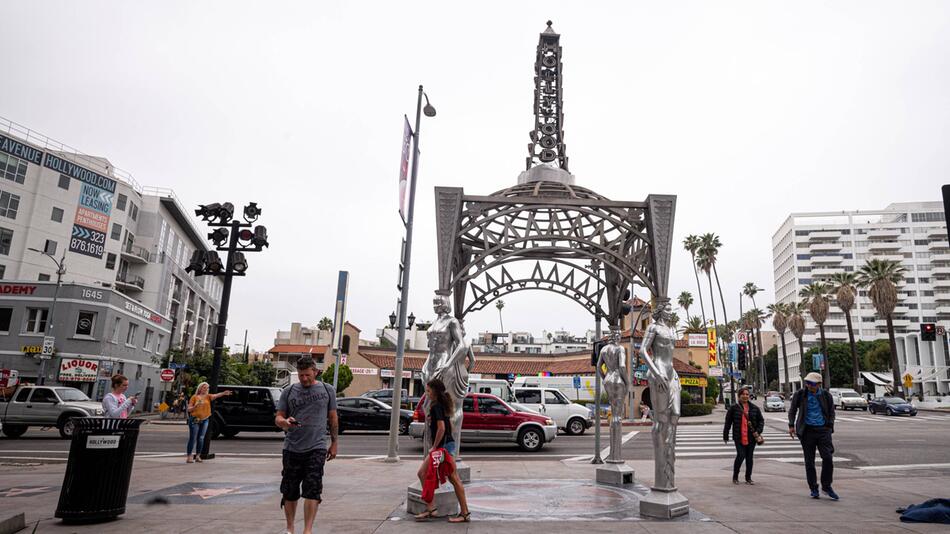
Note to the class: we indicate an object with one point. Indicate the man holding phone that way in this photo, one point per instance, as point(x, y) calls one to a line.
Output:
point(116, 404)
point(306, 411)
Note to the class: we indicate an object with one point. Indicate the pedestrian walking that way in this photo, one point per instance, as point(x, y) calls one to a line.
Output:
point(745, 421)
point(305, 411)
point(180, 404)
point(199, 415)
point(440, 428)
point(811, 419)
point(116, 404)
point(645, 412)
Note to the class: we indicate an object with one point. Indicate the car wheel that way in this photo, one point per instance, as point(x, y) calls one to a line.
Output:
point(576, 427)
point(530, 440)
point(890, 411)
point(66, 426)
point(403, 427)
point(914, 414)
point(14, 431)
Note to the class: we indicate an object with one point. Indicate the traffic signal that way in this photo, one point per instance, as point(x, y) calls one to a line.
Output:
point(928, 332)
point(742, 350)
point(595, 353)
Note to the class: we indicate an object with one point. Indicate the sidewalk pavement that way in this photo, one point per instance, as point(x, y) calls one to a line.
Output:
point(240, 494)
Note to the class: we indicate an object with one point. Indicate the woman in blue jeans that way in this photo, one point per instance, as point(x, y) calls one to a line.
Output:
point(199, 413)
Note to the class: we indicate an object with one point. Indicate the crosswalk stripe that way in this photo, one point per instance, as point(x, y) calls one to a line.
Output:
point(733, 453)
point(732, 447)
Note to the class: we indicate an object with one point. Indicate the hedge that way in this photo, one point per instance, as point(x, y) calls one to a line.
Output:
point(692, 410)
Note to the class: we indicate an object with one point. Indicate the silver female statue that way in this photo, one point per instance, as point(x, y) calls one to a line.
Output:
point(657, 350)
point(448, 352)
point(617, 385)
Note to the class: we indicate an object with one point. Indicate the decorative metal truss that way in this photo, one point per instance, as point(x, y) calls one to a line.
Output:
point(547, 233)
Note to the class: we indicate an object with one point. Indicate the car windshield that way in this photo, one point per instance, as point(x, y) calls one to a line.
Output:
point(895, 400)
point(849, 394)
point(71, 395)
point(774, 399)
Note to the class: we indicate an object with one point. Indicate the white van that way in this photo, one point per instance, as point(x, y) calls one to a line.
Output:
point(500, 389)
point(569, 417)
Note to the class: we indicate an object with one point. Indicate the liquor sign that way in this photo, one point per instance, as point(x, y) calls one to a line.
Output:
point(693, 381)
point(711, 343)
point(697, 340)
point(78, 370)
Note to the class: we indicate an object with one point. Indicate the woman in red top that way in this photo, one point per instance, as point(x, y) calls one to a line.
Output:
point(746, 421)
point(440, 428)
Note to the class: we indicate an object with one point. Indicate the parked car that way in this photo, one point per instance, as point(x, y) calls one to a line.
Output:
point(778, 394)
point(386, 396)
point(247, 409)
point(364, 413)
point(46, 406)
point(891, 406)
point(848, 399)
point(488, 419)
point(774, 403)
point(572, 418)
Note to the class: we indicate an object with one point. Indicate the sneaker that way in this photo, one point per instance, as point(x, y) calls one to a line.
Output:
point(814, 493)
point(831, 494)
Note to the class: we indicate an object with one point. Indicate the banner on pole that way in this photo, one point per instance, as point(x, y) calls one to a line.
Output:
point(711, 344)
point(404, 166)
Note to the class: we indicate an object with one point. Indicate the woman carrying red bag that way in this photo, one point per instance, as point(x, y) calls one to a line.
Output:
point(439, 461)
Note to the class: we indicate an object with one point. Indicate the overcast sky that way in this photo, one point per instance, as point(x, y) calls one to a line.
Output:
point(747, 111)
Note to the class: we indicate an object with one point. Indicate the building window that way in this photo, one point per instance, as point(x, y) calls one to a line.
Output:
point(116, 231)
point(43, 277)
point(64, 182)
point(933, 216)
point(115, 330)
point(9, 204)
point(158, 346)
point(134, 211)
point(36, 320)
point(86, 323)
point(50, 247)
point(120, 203)
point(6, 239)
point(130, 336)
point(148, 340)
point(12, 168)
point(57, 215)
point(110, 261)
point(3, 271)
point(6, 315)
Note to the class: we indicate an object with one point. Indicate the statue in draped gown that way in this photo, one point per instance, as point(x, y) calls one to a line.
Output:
point(657, 350)
point(617, 386)
point(448, 354)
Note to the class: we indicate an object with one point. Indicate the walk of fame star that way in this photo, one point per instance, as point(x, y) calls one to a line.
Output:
point(210, 493)
point(24, 490)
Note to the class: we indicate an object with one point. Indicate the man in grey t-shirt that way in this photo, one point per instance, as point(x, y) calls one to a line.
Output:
point(305, 411)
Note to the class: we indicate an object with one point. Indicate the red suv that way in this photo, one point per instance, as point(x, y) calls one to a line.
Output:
point(486, 418)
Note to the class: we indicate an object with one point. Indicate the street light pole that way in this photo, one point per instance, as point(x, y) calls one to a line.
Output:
point(60, 271)
point(392, 454)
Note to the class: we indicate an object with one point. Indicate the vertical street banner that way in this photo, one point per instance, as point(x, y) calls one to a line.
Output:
point(96, 194)
point(404, 166)
point(711, 343)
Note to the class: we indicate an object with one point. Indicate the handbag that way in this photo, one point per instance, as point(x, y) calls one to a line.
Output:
point(759, 440)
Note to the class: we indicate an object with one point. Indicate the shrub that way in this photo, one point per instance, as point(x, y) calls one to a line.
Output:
point(693, 410)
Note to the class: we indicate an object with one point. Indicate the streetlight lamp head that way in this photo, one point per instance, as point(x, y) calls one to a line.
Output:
point(392, 320)
point(412, 319)
point(428, 110)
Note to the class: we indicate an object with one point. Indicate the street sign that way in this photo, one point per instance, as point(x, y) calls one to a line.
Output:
point(49, 347)
point(860, 380)
point(715, 371)
point(742, 337)
point(174, 365)
point(577, 382)
point(908, 381)
point(167, 375)
point(342, 359)
point(941, 331)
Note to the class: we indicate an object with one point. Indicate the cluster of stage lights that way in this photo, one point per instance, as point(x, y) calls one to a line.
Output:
point(221, 216)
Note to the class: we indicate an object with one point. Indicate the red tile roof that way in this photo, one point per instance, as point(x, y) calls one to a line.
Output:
point(299, 349)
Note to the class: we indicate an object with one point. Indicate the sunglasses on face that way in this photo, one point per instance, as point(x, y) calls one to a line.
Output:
point(807, 383)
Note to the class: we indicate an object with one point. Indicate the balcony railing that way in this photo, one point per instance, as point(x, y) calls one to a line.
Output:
point(130, 281)
point(134, 253)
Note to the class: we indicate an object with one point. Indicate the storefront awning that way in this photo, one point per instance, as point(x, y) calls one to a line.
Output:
point(877, 379)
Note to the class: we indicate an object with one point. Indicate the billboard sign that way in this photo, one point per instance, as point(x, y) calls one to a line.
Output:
point(78, 370)
point(696, 340)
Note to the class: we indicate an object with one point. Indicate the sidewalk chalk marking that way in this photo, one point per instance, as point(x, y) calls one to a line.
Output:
point(604, 453)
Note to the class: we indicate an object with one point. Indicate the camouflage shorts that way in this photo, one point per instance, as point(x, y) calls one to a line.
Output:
point(303, 468)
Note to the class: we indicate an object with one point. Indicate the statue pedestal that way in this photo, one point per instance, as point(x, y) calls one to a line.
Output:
point(664, 504)
point(615, 474)
point(445, 500)
point(464, 471)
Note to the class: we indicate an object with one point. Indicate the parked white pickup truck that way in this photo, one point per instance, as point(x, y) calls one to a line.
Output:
point(45, 406)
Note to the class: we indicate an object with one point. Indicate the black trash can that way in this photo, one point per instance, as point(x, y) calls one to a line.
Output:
point(96, 484)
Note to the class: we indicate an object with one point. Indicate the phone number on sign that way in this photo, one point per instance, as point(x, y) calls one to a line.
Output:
point(85, 246)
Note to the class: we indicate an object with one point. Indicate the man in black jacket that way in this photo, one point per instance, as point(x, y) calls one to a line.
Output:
point(811, 419)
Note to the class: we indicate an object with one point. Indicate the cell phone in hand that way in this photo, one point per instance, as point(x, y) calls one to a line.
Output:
point(137, 393)
point(294, 422)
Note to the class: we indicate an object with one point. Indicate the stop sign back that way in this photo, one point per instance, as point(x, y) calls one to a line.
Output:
point(167, 375)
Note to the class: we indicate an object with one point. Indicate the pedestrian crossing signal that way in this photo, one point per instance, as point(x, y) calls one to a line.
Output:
point(928, 332)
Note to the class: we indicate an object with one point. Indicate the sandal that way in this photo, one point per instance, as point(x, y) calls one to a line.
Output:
point(198, 459)
point(427, 515)
point(461, 518)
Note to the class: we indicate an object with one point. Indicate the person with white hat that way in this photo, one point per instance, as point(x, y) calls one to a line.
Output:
point(811, 419)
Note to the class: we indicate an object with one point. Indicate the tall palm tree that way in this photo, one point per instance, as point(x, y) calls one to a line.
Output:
point(816, 293)
point(756, 318)
point(685, 300)
point(695, 326)
point(500, 305)
point(709, 250)
point(780, 324)
point(881, 278)
point(674, 322)
point(749, 290)
point(844, 284)
point(705, 263)
point(691, 243)
point(796, 323)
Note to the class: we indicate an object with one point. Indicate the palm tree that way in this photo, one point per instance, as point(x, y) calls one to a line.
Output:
point(780, 324)
point(695, 326)
point(796, 323)
point(705, 263)
point(709, 249)
point(749, 290)
point(844, 284)
point(685, 300)
point(674, 322)
point(881, 277)
point(325, 324)
point(816, 293)
point(756, 318)
point(691, 243)
point(501, 304)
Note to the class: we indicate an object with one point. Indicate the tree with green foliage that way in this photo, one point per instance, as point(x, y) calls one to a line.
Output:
point(325, 324)
point(880, 278)
point(344, 379)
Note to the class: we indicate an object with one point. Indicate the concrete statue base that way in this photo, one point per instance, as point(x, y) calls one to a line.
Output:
point(663, 504)
point(445, 500)
point(615, 474)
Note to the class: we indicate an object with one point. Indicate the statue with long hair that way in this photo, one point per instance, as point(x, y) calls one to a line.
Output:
point(657, 350)
point(617, 386)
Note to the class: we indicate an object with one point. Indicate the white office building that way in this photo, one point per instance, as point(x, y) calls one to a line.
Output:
point(813, 246)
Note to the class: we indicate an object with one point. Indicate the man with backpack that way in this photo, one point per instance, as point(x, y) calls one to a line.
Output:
point(811, 419)
point(306, 411)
